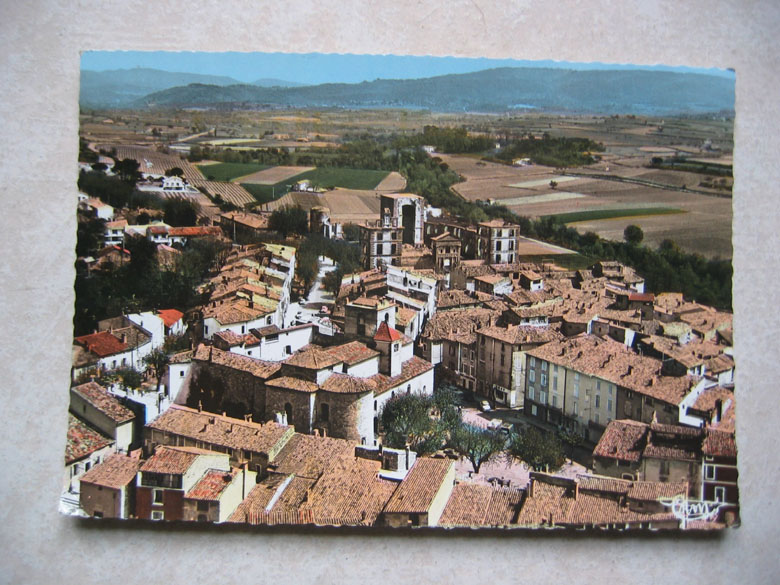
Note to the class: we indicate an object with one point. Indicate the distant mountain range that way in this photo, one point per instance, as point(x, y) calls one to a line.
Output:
point(493, 90)
point(121, 87)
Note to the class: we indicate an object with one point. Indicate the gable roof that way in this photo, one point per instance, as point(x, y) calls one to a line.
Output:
point(83, 440)
point(418, 489)
point(106, 403)
point(102, 344)
point(115, 471)
point(170, 316)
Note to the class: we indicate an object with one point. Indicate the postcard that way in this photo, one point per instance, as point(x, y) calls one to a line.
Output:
point(406, 292)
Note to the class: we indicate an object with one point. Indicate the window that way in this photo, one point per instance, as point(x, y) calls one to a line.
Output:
point(610, 387)
point(531, 362)
point(709, 472)
point(720, 494)
point(555, 401)
point(203, 506)
point(452, 350)
point(202, 517)
point(181, 374)
point(206, 330)
point(502, 359)
point(158, 496)
point(664, 470)
point(324, 412)
point(576, 409)
point(544, 366)
point(375, 405)
point(555, 369)
point(288, 349)
point(243, 329)
point(158, 515)
point(555, 382)
point(544, 380)
point(576, 384)
point(596, 418)
point(533, 410)
point(598, 384)
point(396, 346)
point(543, 397)
point(531, 376)
point(609, 405)
point(598, 401)
point(530, 393)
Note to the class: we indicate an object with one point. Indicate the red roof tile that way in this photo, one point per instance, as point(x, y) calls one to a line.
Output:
point(115, 472)
point(386, 333)
point(419, 487)
point(102, 343)
point(170, 316)
point(106, 403)
point(82, 440)
point(211, 485)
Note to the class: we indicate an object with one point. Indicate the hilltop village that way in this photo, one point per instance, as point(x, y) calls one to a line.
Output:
point(552, 397)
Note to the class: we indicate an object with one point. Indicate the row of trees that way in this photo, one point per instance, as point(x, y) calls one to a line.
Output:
point(429, 423)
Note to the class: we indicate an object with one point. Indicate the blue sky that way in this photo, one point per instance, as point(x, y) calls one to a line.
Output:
point(314, 68)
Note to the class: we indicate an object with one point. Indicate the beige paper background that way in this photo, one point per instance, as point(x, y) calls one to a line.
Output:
point(40, 43)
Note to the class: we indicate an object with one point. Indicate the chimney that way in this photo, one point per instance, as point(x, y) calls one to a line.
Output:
point(200, 406)
point(123, 338)
point(576, 489)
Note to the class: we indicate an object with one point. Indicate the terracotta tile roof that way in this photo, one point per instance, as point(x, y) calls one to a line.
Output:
point(708, 398)
point(170, 316)
point(612, 361)
point(182, 357)
point(410, 369)
point(675, 442)
point(231, 338)
point(352, 353)
point(719, 364)
point(258, 368)
point(491, 278)
point(522, 297)
point(349, 493)
point(116, 471)
point(372, 302)
point(404, 316)
point(418, 489)
point(345, 384)
point(458, 325)
point(481, 505)
point(195, 231)
point(598, 501)
point(313, 357)
point(222, 431)
point(211, 485)
point(623, 440)
point(309, 456)
point(82, 440)
point(235, 310)
point(293, 491)
point(386, 333)
point(173, 460)
point(106, 403)
point(521, 334)
point(719, 443)
point(290, 383)
point(448, 299)
point(102, 344)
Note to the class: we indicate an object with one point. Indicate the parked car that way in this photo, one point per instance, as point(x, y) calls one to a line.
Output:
point(484, 405)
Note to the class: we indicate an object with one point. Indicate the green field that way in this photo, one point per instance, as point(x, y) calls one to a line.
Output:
point(596, 214)
point(341, 177)
point(229, 171)
point(321, 177)
point(266, 193)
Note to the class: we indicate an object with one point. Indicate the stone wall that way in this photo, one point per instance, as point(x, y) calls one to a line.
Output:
point(222, 389)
